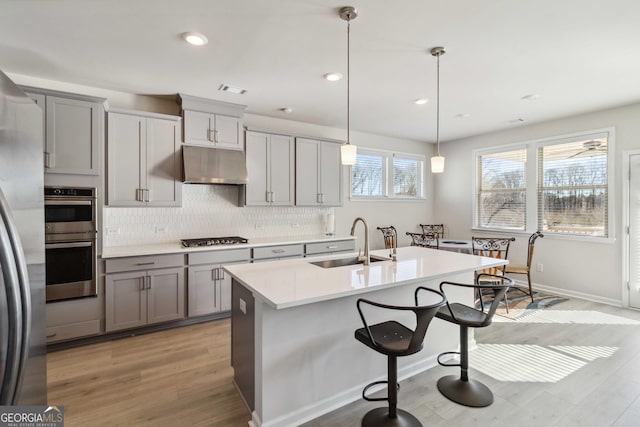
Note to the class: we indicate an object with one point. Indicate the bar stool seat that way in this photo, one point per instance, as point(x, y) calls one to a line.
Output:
point(393, 339)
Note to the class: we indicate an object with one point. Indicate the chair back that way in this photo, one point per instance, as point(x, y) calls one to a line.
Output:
point(492, 247)
point(425, 240)
point(424, 314)
point(532, 242)
point(390, 236)
point(437, 229)
point(499, 284)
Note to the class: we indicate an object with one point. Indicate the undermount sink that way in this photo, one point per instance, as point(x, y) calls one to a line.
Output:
point(341, 262)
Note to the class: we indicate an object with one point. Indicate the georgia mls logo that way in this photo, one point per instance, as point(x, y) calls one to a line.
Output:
point(31, 416)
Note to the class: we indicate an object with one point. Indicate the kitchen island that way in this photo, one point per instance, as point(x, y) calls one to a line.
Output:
point(293, 351)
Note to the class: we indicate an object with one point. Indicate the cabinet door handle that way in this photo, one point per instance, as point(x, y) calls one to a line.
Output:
point(216, 274)
point(272, 196)
point(139, 195)
point(221, 274)
point(143, 283)
point(318, 198)
point(52, 335)
point(215, 135)
point(147, 194)
point(148, 282)
point(321, 197)
point(212, 135)
point(47, 160)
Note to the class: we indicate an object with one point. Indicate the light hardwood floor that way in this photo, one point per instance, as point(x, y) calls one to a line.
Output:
point(575, 364)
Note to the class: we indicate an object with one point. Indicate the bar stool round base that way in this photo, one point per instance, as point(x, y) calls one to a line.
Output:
point(468, 393)
point(379, 417)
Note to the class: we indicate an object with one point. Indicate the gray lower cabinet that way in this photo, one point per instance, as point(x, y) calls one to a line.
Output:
point(143, 159)
point(72, 131)
point(136, 297)
point(329, 247)
point(270, 253)
point(209, 287)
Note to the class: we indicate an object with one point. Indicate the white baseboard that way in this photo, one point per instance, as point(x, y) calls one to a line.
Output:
point(571, 294)
point(321, 407)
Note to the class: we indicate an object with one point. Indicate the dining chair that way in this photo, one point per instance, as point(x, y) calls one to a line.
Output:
point(390, 236)
point(525, 269)
point(492, 247)
point(433, 228)
point(425, 240)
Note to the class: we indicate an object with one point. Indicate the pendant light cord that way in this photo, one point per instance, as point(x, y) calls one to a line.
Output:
point(438, 105)
point(348, 75)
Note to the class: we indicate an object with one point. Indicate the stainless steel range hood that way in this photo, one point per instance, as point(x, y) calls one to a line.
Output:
point(204, 165)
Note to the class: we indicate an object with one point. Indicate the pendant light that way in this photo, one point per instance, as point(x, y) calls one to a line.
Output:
point(437, 161)
point(348, 151)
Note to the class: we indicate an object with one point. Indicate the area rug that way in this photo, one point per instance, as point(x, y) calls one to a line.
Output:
point(520, 304)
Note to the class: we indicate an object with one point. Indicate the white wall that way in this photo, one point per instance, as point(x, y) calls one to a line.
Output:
point(574, 267)
point(404, 215)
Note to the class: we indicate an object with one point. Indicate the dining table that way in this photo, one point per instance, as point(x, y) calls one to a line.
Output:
point(456, 245)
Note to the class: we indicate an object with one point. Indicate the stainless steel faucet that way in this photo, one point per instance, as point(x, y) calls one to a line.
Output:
point(365, 258)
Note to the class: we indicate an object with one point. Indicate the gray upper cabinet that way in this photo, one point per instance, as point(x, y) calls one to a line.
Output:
point(318, 173)
point(73, 131)
point(212, 123)
point(270, 166)
point(143, 153)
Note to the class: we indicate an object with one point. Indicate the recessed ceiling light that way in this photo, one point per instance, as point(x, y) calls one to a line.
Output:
point(332, 77)
point(196, 39)
point(531, 97)
point(286, 110)
point(463, 116)
point(421, 101)
point(233, 89)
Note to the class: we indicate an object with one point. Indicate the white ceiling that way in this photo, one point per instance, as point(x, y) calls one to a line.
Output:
point(578, 55)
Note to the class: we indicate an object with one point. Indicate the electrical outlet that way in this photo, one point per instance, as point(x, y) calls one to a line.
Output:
point(112, 231)
point(540, 268)
point(243, 306)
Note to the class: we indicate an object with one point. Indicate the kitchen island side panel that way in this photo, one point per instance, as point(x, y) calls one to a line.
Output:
point(309, 363)
point(242, 341)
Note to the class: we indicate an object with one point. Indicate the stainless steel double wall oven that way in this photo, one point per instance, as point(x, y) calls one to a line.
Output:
point(70, 242)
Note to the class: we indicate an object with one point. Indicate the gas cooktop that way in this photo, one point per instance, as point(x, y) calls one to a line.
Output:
point(213, 241)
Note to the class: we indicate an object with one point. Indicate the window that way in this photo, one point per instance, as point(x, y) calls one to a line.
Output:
point(566, 194)
point(572, 189)
point(502, 190)
point(381, 174)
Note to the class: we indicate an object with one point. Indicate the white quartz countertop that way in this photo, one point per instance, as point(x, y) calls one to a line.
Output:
point(176, 247)
point(295, 282)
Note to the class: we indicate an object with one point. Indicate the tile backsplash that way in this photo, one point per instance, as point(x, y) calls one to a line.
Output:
point(209, 211)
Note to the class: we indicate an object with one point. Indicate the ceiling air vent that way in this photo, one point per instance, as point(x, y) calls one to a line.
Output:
point(233, 89)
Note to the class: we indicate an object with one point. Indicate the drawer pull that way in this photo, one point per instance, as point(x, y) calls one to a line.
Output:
point(146, 263)
point(278, 251)
point(332, 247)
point(52, 335)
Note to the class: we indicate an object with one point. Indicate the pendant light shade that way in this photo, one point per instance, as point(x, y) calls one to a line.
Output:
point(437, 161)
point(437, 164)
point(348, 151)
point(348, 154)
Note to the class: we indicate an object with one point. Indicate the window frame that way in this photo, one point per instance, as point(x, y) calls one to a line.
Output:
point(387, 176)
point(532, 210)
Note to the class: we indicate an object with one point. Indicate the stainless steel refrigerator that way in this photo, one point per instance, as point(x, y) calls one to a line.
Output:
point(22, 269)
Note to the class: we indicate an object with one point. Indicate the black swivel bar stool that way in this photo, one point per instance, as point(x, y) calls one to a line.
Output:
point(463, 390)
point(393, 339)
